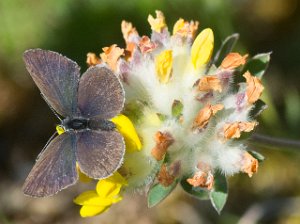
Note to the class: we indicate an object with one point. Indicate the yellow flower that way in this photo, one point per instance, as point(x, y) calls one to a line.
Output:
point(126, 128)
point(97, 201)
point(202, 48)
point(163, 66)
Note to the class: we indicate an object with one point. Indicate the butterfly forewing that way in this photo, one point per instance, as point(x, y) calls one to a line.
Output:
point(57, 78)
point(55, 169)
point(100, 93)
point(99, 153)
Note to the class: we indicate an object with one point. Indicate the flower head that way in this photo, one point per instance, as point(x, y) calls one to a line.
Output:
point(187, 110)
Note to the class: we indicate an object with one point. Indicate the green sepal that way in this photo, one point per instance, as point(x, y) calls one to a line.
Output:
point(134, 111)
point(226, 47)
point(256, 155)
point(218, 194)
point(258, 108)
point(158, 193)
point(196, 192)
point(258, 64)
point(177, 108)
point(162, 117)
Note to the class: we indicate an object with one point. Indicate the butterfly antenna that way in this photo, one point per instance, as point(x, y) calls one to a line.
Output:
point(50, 139)
point(51, 108)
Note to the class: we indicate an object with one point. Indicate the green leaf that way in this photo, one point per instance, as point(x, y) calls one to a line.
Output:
point(197, 192)
point(218, 195)
point(258, 64)
point(158, 192)
point(257, 155)
point(258, 108)
point(177, 108)
point(225, 48)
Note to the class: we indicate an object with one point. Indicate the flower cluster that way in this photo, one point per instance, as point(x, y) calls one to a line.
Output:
point(190, 110)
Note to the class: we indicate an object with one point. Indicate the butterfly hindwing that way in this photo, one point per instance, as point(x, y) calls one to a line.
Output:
point(56, 77)
point(99, 153)
point(100, 93)
point(55, 169)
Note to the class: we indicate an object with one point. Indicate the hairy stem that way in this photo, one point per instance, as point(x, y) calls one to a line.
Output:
point(274, 141)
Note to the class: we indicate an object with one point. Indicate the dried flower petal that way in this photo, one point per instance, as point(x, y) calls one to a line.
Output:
point(158, 23)
point(249, 164)
point(254, 88)
point(164, 177)
point(205, 114)
point(92, 59)
point(111, 55)
point(146, 45)
point(233, 60)
point(202, 179)
point(210, 82)
point(130, 48)
point(233, 130)
point(163, 66)
point(128, 30)
point(202, 48)
point(163, 141)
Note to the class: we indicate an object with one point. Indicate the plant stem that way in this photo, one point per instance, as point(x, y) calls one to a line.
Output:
point(275, 142)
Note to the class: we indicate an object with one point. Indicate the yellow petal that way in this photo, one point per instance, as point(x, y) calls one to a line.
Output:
point(178, 26)
point(92, 210)
point(185, 28)
point(126, 128)
point(82, 177)
point(92, 198)
point(60, 129)
point(202, 48)
point(110, 186)
point(163, 66)
point(158, 23)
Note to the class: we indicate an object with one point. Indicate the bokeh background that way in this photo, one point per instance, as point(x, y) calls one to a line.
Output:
point(75, 27)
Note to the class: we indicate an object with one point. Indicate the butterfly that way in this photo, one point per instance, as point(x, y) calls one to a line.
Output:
point(86, 104)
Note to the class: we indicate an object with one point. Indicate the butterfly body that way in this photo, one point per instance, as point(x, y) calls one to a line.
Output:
point(77, 124)
point(90, 139)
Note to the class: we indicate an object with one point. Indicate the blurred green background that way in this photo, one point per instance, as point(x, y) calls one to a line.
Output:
point(76, 27)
